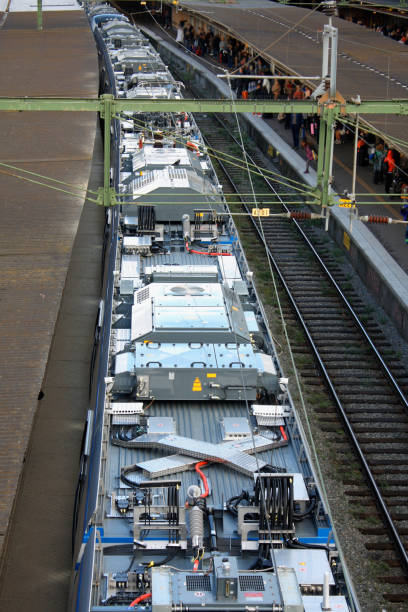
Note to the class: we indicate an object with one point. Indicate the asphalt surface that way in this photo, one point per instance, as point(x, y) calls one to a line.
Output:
point(49, 245)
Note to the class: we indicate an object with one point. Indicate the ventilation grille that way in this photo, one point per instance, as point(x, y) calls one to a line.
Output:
point(142, 295)
point(251, 583)
point(198, 583)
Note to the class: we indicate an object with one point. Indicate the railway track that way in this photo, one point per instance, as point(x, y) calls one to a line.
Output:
point(365, 383)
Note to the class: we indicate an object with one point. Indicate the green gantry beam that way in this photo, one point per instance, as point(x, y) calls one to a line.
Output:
point(378, 107)
point(109, 107)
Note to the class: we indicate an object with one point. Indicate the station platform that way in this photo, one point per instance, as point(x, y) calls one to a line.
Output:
point(49, 249)
point(378, 252)
point(259, 23)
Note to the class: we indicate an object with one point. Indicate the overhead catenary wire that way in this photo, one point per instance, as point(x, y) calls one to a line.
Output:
point(372, 130)
point(255, 452)
point(217, 154)
point(25, 178)
point(48, 178)
point(275, 42)
point(304, 410)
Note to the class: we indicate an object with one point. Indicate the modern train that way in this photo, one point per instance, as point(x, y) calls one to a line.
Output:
point(195, 492)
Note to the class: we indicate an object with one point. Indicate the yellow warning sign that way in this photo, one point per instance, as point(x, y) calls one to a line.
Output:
point(346, 203)
point(211, 375)
point(260, 212)
point(197, 385)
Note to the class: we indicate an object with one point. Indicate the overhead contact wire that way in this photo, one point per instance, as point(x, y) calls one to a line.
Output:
point(25, 178)
point(48, 178)
point(226, 156)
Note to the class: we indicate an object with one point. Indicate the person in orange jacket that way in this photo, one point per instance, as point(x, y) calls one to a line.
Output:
point(389, 167)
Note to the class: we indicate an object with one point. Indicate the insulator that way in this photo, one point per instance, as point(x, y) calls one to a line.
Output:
point(329, 8)
point(300, 215)
point(196, 518)
point(193, 493)
point(377, 219)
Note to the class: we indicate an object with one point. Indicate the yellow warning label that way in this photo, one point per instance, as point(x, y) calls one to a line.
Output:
point(346, 240)
point(197, 385)
point(211, 375)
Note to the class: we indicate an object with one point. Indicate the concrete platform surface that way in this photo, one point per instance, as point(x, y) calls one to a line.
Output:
point(39, 225)
point(369, 64)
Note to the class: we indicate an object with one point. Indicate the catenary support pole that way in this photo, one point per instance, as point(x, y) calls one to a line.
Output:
point(39, 15)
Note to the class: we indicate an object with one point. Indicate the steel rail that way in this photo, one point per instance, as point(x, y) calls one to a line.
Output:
point(377, 493)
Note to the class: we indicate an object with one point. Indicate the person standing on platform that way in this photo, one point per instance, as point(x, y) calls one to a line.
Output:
point(378, 158)
point(309, 155)
point(296, 120)
point(180, 33)
point(389, 167)
point(298, 93)
point(404, 211)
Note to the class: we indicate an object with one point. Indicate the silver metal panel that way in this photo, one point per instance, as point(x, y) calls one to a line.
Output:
point(160, 425)
point(130, 266)
point(234, 428)
point(134, 242)
point(124, 362)
point(250, 445)
point(251, 321)
point(238, 356)
point(130, 221)
point(313, 603)
point(149, 157)
point(179, 317)
point(309, 565)
point(300, 493)
point(161, 590)
point(192, 301)
point(240, 287)
point(265, 363)
point(170, 355)
point(163, 466)
point(290, 591)
point(121, 337)
point(126, 286)
point(141, 319)
point(147, 91)
point(229, 269)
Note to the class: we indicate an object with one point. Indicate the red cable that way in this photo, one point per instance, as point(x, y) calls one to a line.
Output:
point(139, 599)
point(283, 432)
point(203, 478)
point(206, 253)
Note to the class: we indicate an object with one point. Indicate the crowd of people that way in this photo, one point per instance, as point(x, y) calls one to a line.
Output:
point(240, 60)
point(399, 34)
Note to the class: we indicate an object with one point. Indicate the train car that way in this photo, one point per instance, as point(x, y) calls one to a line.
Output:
point(196, 491)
